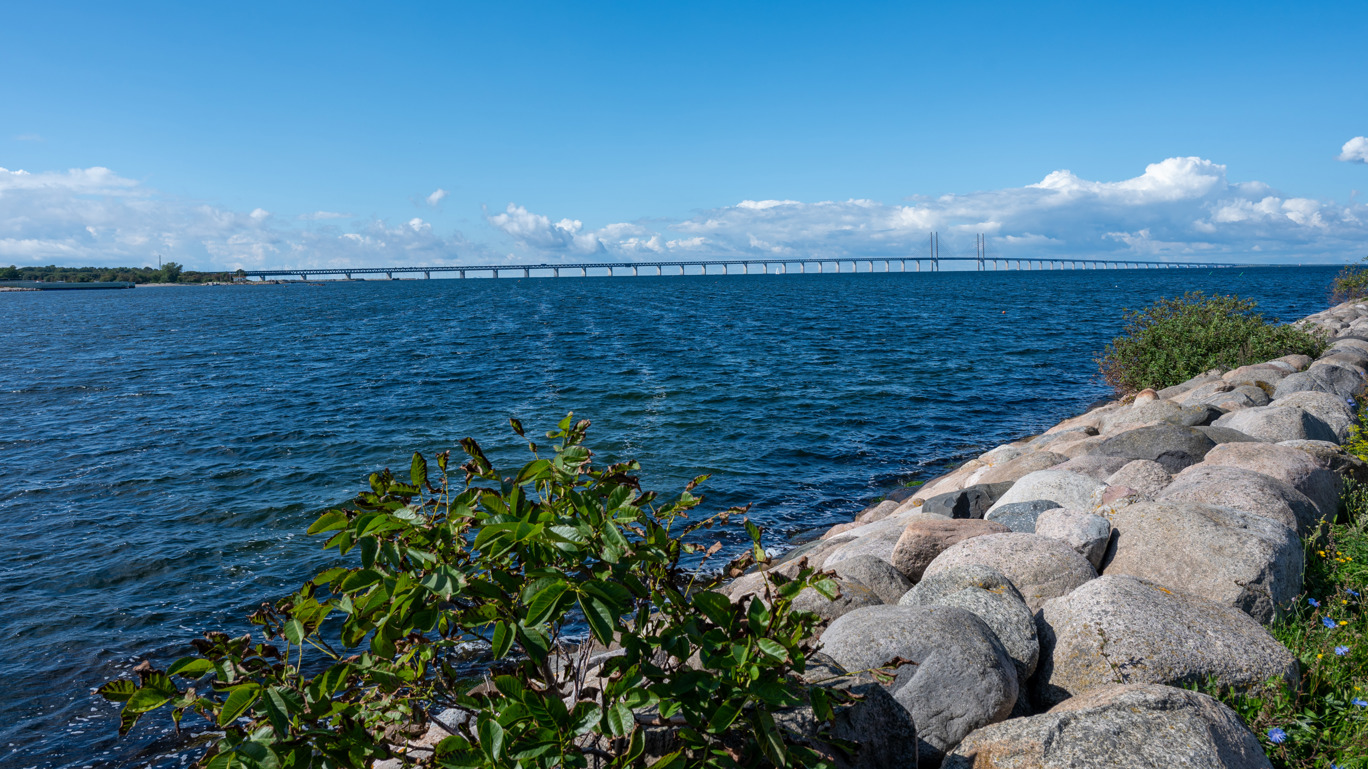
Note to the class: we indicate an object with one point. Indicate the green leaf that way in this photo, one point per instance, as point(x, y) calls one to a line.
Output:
point(724, 715)
point(543, 604)
point(673, 760)
point(119, 690)
point(827, 587)
point(619, 720)
point(600, 618)
point(294, 632)
point(418, 470)
point(359, 580)
point(715, 606)
point(491, 738)
point(533, 471)
point(771, 741)
point(821, 704)
point(190, 667)
point(773, 649)
point(144, 700)
point(328, 521)
point(585, 717)
point(503, 639)
point(239, 699)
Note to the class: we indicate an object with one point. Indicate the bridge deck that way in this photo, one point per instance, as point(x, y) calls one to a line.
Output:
point(779, 266)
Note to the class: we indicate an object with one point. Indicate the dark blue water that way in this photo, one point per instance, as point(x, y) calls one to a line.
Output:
point(162, 450)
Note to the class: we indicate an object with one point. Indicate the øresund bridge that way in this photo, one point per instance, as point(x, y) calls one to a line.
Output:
point(776, 265)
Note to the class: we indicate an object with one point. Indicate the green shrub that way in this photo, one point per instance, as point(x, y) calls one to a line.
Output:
point(1176, 339)
point(1351, 283)
point(355, 660)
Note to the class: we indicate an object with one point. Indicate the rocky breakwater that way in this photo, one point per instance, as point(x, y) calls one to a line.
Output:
point(1053, 594)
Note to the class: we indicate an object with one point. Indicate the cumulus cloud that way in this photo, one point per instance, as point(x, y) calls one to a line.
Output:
point(1178, 209)
point(1355, 150)
point(436, 197)
point(539, 232)
point(94, 216)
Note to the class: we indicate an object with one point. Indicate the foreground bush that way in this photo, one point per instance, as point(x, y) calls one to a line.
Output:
point(1174, 340)
point(354, 662)
point(1351, 283)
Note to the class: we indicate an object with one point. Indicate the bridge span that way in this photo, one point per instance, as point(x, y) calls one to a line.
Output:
point(777, 266)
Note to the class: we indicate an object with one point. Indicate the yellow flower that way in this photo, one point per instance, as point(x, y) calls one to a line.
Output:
point(1343, 622)
point(1318, 656)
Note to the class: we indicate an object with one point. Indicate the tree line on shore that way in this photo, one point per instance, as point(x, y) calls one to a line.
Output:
point(171, 272)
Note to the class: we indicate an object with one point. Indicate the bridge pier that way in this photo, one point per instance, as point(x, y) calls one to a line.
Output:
point(902, 265)
point(427, 275)
point(584, 273)
point(634, 271)
point(658, 272)
point(389, 275)
point(527, 273)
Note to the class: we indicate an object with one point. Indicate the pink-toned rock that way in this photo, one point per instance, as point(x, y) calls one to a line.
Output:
point(1014, 469)
point(840, 529)
point(926, 538)
point(1113, 493)
point(877, 512)
point(1146, 395)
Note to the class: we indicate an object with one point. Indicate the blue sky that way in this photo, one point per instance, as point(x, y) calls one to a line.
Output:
point(207, 131)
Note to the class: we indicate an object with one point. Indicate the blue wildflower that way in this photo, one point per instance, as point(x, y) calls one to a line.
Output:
point(1326, 621)
point(1360, 702)
point(1340, 651)
point(1351, 592)
point(1276, 735)
point(1313, 602)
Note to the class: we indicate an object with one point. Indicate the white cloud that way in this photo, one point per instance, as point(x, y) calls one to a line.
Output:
point(28, 138)
point(539, 232)
point(95, 217)
point(1355, 150)
point(1179, 208)
point(436, 197)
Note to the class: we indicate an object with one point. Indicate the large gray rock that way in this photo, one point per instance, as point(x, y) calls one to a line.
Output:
point(1093, 465)
point(1289, 465)
point(1333, 410)
point(1086, 533)
point(1041, 568)
point(924, 539)
point(1123, 726)
point(1244, 490)
point(1172, 446)
point(1021, 516)
point(815, 552)
point(1332, 457)
point(1011, 470)
point(1153, 412)
point(1185, 387)
point(877, 539)
point(1266, 374)
point(963, 678)
point(878, 575)
point(1119, 629)
point(954, 579)
point(1224, 434)
point(1245, 561)
point(1277, 423)
point(1065, 489)
point(1326, 379)
point(1004, 612)
point(969, 502)
point(1146, 476)
point(881, 730)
